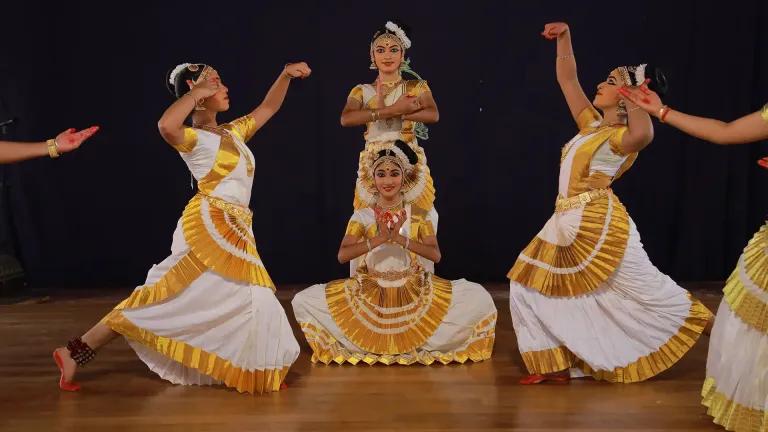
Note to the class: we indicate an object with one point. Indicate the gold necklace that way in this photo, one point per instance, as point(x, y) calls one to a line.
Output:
point(609, 125)
point(389, 88)
point(389, 207)
point(390, 83)
point(216, 128)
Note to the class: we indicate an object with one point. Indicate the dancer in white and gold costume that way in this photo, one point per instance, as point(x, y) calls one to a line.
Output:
point(584, 297)
point(207, 314)
point(393, 310)
point(393, 108)
point(735, 390)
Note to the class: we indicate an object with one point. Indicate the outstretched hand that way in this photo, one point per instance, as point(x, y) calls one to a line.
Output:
point(71, 139)
point(643, 97)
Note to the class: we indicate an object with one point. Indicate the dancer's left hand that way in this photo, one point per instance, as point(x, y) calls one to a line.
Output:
point(401, 216)
point(298, 70)
point(71, 139)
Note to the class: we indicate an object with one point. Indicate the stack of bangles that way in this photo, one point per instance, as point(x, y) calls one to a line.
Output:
point(663, 111)
point(53, 148)
point(374, 115)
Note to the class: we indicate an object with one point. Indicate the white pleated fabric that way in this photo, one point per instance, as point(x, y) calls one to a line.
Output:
point(471, 305)
point(207, 314)
point(736, 387)
point(584, 295)
point(393, 311)
point(637, 311)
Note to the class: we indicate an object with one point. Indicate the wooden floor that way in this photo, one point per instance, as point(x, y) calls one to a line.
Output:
point(120, 394)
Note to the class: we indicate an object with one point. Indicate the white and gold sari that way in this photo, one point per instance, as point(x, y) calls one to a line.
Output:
point(583, 294)
point(208, 314)
point(392, 311)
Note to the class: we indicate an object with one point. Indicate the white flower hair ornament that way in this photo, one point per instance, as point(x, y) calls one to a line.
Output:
point(176, 71)
point(400, 33)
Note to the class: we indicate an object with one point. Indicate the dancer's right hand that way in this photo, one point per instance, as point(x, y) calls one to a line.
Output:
point(554, 30)
point(380, 94)
point(207, 88)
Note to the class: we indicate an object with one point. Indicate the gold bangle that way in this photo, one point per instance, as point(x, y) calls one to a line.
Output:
point(53, 148)
point(663, 111)
point(368, 243)
point(198, 102)
point(189, 93)
point(564, 56)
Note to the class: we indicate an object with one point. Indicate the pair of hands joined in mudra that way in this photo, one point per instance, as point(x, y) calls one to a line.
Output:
point(389, 223)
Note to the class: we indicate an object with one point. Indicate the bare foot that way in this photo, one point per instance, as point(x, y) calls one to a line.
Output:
point(561, 377)
point(68, 368)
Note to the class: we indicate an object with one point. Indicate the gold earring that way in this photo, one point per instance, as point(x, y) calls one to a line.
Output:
point(622, 108)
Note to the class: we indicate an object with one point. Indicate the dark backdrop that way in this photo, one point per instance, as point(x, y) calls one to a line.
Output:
point(103, 215)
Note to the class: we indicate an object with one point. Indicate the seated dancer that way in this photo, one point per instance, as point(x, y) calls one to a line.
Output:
point(65, 142)
point(735, 391)
point(393, 311)
point(584, 297)
point(207, 314)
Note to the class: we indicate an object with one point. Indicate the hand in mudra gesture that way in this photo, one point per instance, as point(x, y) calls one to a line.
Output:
point(71, 139)
point(383, 231)
point(298, 70)
point(554, 30)
point(205, 88)
point(643, 97)
point(397, 223)
point(407, 104)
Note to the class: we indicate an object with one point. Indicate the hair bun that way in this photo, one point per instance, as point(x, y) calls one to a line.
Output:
point(409, 153)
point(658, 80)
point(171, 88)
point(176, 78)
